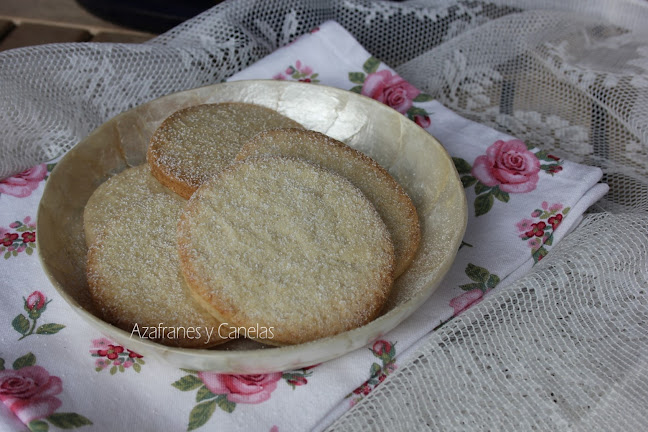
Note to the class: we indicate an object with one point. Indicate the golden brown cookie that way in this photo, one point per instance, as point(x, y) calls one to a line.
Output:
point(117, 194)
point(195, 143)
point(283, 245)
point(135, 280)
point(390, 199)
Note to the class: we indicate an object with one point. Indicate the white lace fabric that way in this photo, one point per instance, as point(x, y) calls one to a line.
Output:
point(562, 348)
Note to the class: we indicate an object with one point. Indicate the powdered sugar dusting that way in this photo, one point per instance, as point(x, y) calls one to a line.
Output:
point(389, 198)
point(134, 274)
point(118, 194)
point(285, 244)
point(195, 143)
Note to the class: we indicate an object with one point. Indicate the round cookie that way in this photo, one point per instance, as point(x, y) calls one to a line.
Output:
point(135, 280)
point(390, 199)
point(195, 143)
point(117, 194)
point(283, 245)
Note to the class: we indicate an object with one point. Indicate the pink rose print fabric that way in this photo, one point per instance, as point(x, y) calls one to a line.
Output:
point(35, 301)
point(508, 165)
point(466, 300)
point(31, 393)
point(482, 282)
point(22, 185)
point(390, 89)
point(385, 351)
point(34, 305)
point(298, 72)
point(251, 389)
point(225, 391)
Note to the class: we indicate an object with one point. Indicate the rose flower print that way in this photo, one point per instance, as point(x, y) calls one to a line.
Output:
point(23, 184)
point(248, 389)
point(508, 167)
point(31, 393)
point(392, 90)
point(35, 305)
point(225, 391)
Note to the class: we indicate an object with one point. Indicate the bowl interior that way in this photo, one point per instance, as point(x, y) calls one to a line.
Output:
point(411, 155)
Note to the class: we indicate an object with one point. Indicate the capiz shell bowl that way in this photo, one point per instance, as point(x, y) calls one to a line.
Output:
point(410, 154)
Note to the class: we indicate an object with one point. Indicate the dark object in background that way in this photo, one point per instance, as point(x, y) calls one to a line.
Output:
point(153, 16)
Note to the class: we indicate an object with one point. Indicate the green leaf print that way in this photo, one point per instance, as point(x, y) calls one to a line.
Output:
point(483, 203)
point(538, 254)
point(21, 324)
point(483, 279)
point(225, 404)
point(472, 286)
point(462, 166)
point(467, 181)
point(492, 281)
point(357, 77)
point(371, 65)
point(188, 382)
point(422, 97)
point(476, 273)
point(549, 240)
point(374, 370)
point(50, 328)
point(204, 394)
point(200, 414)
point(500, 195)
point(416, 111)
point(38, 426)
point(24, 361)
point(68, 420)
point(480, 188)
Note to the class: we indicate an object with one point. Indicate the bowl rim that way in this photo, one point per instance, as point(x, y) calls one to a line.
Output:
point(299, 353)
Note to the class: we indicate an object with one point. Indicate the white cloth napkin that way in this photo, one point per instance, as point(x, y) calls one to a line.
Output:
point(56, 371)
